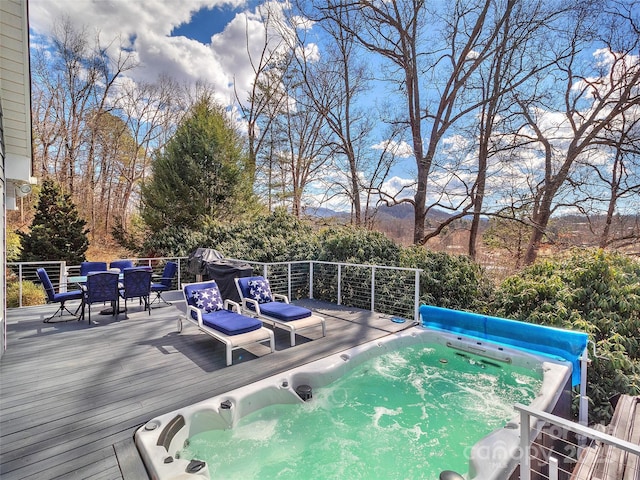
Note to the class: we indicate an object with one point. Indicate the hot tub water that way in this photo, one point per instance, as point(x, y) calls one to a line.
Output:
point(417, 410)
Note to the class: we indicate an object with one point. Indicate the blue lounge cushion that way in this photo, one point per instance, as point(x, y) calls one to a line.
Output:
point(208, 299)
point(284, 311)
point(259, 290)
point(230, 323)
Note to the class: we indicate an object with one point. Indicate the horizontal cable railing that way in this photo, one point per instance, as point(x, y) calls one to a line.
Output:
point(388, 290)
point(561, 449)
point(21, 272)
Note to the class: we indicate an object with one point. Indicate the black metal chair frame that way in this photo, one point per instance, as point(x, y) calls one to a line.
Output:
point(136, 283)
point(164, 283)
point(60, 297)
point(101, 287)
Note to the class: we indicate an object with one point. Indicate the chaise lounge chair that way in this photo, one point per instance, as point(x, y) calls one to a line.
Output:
point(206, 309)
point(257, 299)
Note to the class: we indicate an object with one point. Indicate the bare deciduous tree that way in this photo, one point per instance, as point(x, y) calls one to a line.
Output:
point(595, 96)
point(302, 140)
point(150, 112)
point(266, 95)
point(337, 83)
point(74, 85)
point(433, 80)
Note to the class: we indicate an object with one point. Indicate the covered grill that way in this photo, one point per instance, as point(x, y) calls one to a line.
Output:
point(209, 264)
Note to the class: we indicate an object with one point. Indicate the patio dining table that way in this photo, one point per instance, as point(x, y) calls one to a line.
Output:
point(82, 279)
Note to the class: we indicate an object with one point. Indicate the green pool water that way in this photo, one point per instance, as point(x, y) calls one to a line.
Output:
point(408, 414)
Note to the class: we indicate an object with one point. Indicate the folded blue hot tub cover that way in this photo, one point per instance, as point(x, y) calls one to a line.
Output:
point(550, 341)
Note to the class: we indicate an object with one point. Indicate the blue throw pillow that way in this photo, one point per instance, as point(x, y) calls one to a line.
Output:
point(208, 299)
point(259, 290)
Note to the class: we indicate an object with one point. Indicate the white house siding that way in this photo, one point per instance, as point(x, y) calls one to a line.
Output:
point(15, 120)
point(3, 277)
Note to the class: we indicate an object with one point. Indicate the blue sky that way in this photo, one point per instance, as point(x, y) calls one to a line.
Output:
point(188, 40)
point(206, 22)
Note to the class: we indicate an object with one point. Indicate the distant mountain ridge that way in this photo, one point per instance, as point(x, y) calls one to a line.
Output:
point(403, 211)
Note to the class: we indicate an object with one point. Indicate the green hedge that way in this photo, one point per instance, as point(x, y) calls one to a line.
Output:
point(593, 291)
point(449, 281)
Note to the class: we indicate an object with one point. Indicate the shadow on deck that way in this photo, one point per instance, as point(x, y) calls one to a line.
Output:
point(72, 395)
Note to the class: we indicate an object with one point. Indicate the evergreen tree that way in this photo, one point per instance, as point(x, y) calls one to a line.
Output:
point(57, 232)
point(200, 175)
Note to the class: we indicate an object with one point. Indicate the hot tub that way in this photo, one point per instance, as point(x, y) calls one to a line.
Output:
point(162, 440)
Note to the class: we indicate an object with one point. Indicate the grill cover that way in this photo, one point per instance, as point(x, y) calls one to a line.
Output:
point(209, 264)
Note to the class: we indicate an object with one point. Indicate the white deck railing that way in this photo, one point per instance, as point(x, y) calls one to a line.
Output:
point(58, 272)
point(387, 290)
point(554, 445)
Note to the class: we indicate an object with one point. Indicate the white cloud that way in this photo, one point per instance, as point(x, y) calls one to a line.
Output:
point(145, 28)
point(399, 149)
point(399, 187)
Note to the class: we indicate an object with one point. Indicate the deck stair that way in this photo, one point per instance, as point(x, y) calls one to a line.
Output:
point(604, 462)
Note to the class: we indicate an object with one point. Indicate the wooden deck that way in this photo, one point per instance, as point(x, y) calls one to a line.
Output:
point(72, 395)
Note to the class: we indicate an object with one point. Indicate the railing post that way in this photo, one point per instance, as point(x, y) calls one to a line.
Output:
point(373, 289)
point(289, 280)
point(20, 280)
point(416, 298)
point(339, 284)
point(63, 276)
point(583, 406)
point(310, 279)
point(525, 459)
point(584, 400)
point(553, 468)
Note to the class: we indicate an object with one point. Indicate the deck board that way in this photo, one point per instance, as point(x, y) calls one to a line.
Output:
point(72, 395)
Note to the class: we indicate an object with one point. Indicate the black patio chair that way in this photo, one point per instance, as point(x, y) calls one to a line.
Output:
point(59, 297)
point(136, 283)
point(101, 287)
point(165, 283)
point(87, 267)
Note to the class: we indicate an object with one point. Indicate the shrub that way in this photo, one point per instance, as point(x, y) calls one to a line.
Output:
point(32, 294)
point(277, 237)
point(450, 281)
point(13, 246)
point(592, 291)
point(268, 238)
point(357, 245)
point(172, 241)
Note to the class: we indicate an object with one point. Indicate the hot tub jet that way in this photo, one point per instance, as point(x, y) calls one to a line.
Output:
point(304, 392)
